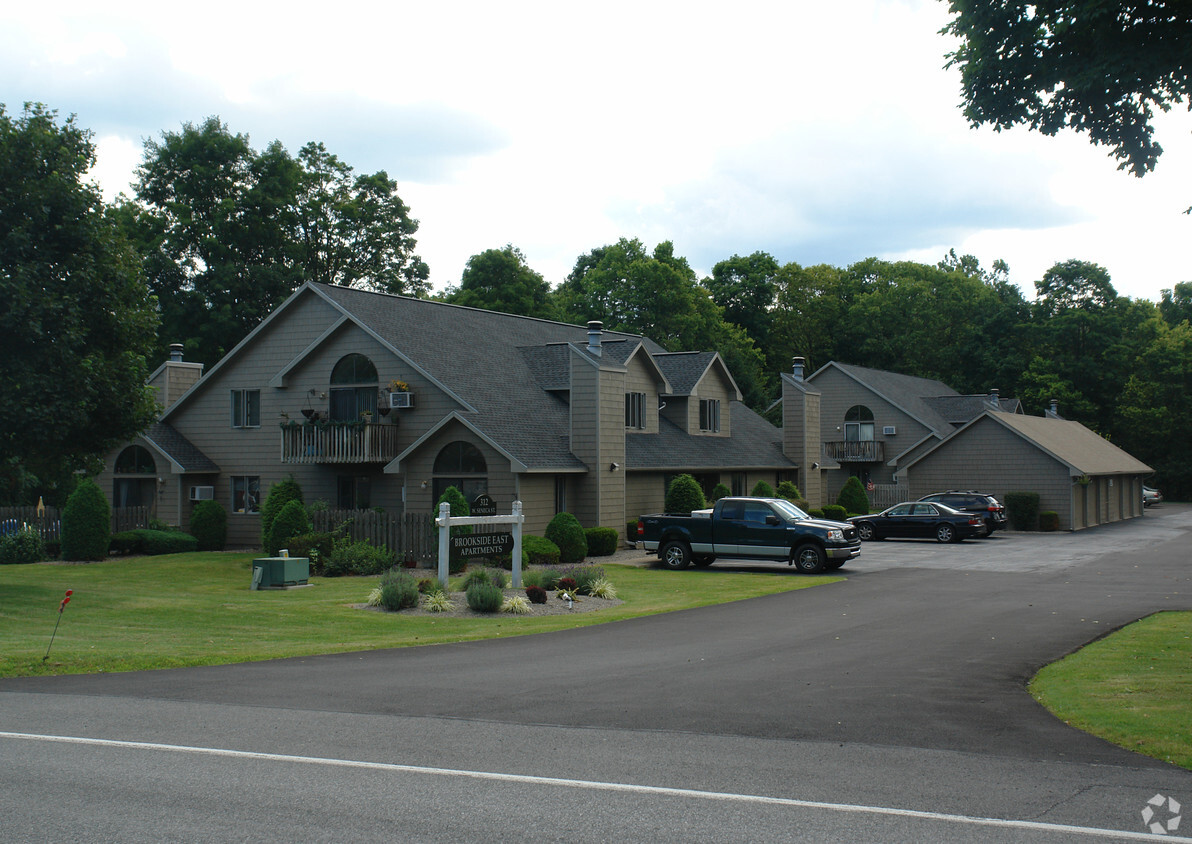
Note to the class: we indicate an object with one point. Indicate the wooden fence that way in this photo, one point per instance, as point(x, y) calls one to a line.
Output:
point(880, 497)
point(409, 536)
point(49, 521)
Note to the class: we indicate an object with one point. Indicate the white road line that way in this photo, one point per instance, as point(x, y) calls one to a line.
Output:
point(595, 785)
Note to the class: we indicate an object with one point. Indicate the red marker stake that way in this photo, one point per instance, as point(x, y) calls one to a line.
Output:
point(61, 607)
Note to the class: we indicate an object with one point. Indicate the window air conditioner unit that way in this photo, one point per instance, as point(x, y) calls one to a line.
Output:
point(401, 400)
point(889, 431)
point(202, 493)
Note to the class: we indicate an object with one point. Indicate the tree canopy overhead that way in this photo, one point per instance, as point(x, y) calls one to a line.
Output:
point(1090, 65)
point(77, 320)
point(500, 280)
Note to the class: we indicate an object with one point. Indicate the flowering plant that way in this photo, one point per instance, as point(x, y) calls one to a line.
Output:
point(398, 386)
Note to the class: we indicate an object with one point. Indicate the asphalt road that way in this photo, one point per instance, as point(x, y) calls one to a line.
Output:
point(888, 707)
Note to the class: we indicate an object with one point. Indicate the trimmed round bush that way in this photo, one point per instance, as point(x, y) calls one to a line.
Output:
point(539, 551)
point(484, 597)
point(280, 494)
point(720, 491)
point(209, 525)
point(290, 522)
point(835, 512)
point(602, 541)
point(86, 524)
point(684, 495)
point(1049, 520)
point(761, 489)
point(853, 498)
point(155, 542)
point(789, 491)
point(568, 534)
point(22, 546)
point(536, 594)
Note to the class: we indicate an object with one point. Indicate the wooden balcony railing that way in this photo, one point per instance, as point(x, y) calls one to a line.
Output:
point(331, 443)
point(865, 451)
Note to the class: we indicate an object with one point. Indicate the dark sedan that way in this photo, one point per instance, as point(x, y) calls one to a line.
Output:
point(920, 519)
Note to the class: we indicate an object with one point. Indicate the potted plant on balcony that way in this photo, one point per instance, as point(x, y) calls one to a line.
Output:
point(400, 394)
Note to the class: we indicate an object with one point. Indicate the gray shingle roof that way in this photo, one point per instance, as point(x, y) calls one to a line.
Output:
point(961, 409)
point(904, 391)
point(684, 369)
point(179, 449)
point(1084, 451)
point(754, 443)
point(503, 366)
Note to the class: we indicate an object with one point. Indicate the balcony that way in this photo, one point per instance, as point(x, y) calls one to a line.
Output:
point(343, 443)
point(865, 451)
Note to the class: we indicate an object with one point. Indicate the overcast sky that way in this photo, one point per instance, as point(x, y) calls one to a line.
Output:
point(818, 132)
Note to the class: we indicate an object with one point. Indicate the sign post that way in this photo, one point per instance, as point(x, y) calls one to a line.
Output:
point(486, 543)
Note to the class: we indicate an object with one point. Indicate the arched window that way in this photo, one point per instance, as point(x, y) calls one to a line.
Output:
point(135, 460)
point(858, 424)
point(135, 483)
point(353, 388)
point(461, 465)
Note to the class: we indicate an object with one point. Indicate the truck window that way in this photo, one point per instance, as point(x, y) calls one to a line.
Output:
point(732, 510)
point(757, 513)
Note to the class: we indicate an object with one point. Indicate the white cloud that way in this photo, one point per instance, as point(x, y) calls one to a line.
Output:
point(816, 131)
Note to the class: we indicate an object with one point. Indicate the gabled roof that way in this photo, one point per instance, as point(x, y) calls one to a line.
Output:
point(1083, 451)
point(182, 454)
point(906, 392)
point(685, 370)
point(961, 409)
point(755, 443)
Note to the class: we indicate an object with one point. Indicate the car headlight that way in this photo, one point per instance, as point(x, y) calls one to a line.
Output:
point(836, 535)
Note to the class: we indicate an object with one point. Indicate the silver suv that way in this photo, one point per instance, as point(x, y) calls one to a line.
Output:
point(970, 501)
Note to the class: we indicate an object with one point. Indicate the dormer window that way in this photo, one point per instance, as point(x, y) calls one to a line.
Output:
point(709, 415)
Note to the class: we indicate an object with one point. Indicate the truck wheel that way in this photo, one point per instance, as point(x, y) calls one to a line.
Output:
point(809, 559)
point(675, 555)
point(702, 561)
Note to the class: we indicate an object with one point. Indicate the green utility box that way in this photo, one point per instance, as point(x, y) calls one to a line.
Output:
point(280, 572)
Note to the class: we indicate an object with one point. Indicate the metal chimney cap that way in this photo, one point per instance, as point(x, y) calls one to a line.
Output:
point(176, 351)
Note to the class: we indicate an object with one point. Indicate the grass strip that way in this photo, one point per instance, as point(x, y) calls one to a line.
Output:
point(177, 610)
point(1131, 688)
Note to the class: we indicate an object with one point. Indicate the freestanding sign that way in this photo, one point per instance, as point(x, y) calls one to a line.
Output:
point(446, 521)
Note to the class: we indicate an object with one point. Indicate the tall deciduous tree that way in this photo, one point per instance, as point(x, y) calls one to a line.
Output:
point(745, 288)
point(77, 320)
point(1088, 65)
point(228, 232)
point(500, 280)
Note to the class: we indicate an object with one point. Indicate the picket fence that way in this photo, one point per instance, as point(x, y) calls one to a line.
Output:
point(411, 536)
point(48, 522)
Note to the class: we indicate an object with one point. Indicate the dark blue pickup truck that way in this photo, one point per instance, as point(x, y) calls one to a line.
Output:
point(749, 529)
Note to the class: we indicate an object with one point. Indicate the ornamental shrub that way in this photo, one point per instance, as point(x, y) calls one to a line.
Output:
point(280, 494)
point(86, 523)
point(684, 495)
point(536, 594)
point(429, 585)
point(126, 542)
point(582, 577)
point(156, 542)
point(566, 532)
point(835, 512)
point(548, 578)
point(494, 576)
point(399, 591)
point(1022, 509)
point(602, 541)
point(815, 513)
point(291, 521)
point(720, 491)
point(484, 597)
point(566, 584)
point(789, 491)
point(22, 546)
point(316, 546)
point(761, 489)
point(1049, 520)
point(459, 507)
point(539, 551)
point(348, 557)
point(209, 525)
point(853, 498)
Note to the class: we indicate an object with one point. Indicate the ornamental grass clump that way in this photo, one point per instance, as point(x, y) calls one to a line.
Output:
point(494, 576)
point(484, 597)
point(437, 602)
point(516, 605)
point(602, 588)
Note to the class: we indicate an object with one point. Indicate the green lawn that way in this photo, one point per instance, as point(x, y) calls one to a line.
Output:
point(197, 609)
point(1131, 688)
